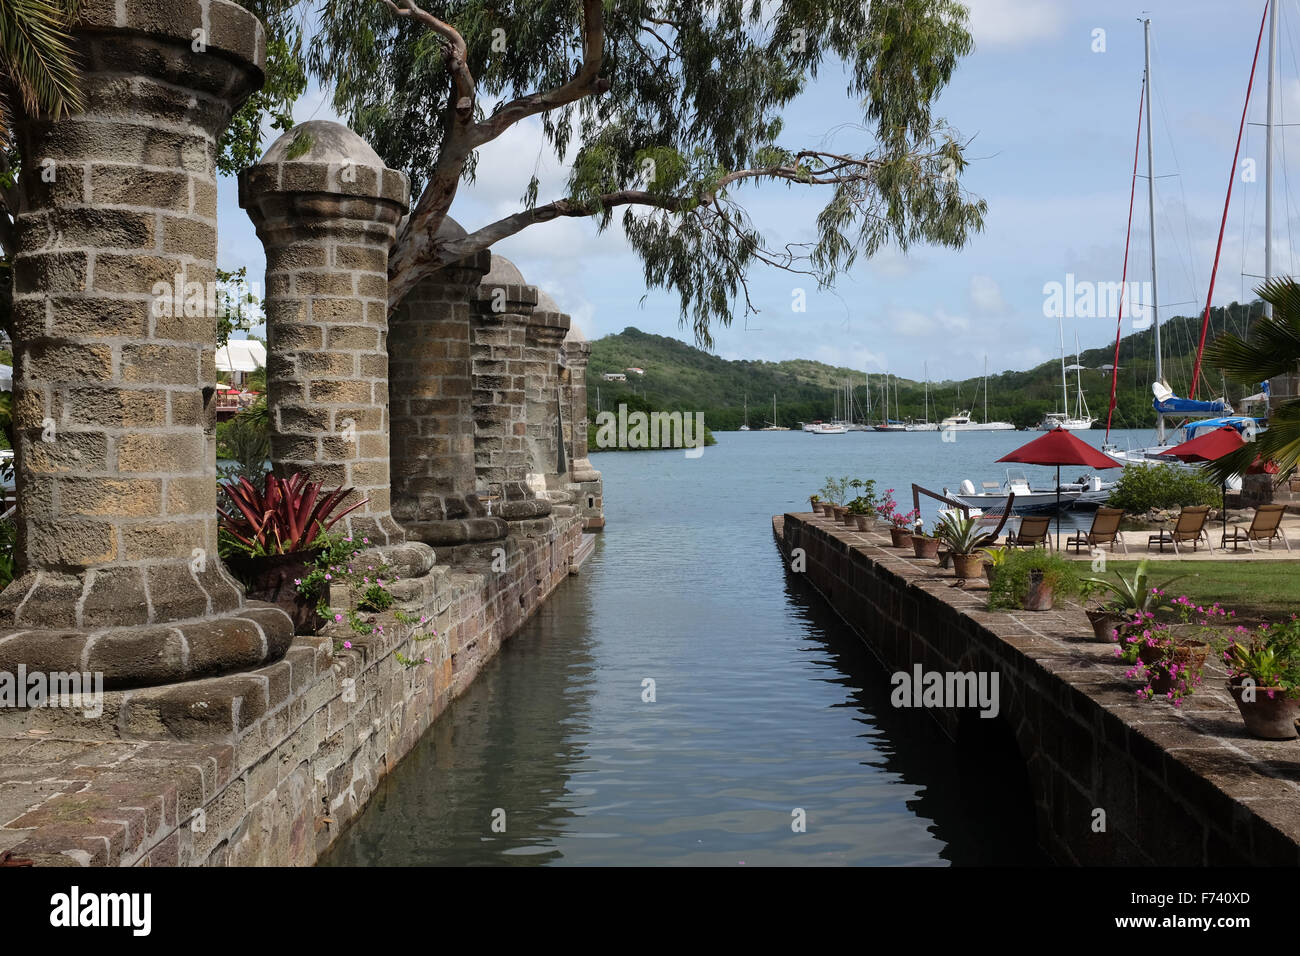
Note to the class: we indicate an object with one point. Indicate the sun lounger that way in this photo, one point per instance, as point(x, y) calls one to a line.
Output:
point(1266, 525)
point(1104, 530)
point(1189, 528)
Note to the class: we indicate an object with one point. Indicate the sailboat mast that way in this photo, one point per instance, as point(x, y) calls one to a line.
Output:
point(1268, 151)
point(1065, 391)
point(1151, 211)
point(926, 366)
point(986, 388)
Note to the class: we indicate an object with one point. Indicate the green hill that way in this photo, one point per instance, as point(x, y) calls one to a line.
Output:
point(680, 376)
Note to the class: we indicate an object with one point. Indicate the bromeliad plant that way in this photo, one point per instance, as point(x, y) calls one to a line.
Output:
point(285, 518)
point(1269, 655)
point(1133, 597)
point(962, 533)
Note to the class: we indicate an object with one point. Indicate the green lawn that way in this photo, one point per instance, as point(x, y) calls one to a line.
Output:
point(1256, 590)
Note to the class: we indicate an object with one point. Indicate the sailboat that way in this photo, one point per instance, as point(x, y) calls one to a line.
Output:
point(745, 427)
point(1166, 401)
point(1081, 420)
point(888, 424)
point(773, 426)
point(962, 422)
point(927, 425)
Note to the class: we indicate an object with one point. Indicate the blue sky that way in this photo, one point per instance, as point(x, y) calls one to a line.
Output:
point(1053, 126)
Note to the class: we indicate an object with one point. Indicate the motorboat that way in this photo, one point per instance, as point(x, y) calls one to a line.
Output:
point(827, 428)
point(962, 422)
point(992, 496)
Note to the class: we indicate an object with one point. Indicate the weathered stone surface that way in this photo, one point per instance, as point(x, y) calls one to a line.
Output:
point(113, 374)
point(1178, 786)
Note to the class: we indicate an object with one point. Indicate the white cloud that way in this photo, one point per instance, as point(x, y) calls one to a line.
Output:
point(1010, 23)
point(986, 295)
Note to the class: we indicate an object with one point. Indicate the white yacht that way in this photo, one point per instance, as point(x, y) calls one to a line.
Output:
point(992, 496)
point(962, 422)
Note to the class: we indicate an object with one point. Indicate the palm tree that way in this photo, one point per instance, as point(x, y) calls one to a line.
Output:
point(38, 75)
point(36, 58)
point(1270, 348)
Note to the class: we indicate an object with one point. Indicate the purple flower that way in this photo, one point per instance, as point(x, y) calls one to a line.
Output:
point(348, 645)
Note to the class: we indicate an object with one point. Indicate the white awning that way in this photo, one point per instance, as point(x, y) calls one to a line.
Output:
point(241, 355)
point(6, 378)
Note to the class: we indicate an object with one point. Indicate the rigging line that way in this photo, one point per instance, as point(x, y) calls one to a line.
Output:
point(1188, 267)
point(1123, 282)
point(1290, 237)
point(1244, 233)
point(1232, 173)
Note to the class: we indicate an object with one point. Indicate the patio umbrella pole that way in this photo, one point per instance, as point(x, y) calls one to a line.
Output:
point(1058, 509)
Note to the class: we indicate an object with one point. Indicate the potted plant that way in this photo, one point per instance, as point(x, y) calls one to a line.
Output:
point(924, 545)
point(270, 540)
point(1264, 678)
point(1032, 579)
point(1131, 599)
point(962, 535)
point(861, 512)
point(815, 501)
point(1170, 656)
point(994, 559)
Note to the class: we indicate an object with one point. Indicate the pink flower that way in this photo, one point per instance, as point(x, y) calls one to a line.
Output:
point(338, 618)
point(348, 645)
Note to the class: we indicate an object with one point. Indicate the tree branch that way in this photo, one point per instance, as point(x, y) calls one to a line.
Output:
point(584, 83)
point(456, 51)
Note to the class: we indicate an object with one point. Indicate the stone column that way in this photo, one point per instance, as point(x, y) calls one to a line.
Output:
point(432, 408)
point(114, 345)
point(499, 350)
point(327, 217)
point(547, 327)
point(585, 481)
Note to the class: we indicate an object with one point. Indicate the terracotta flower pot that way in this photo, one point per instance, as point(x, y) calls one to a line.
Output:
point(1268, 718)
point(1104, 623)
point(968, 566)
point(270, 578)
point(861, 521)
point(838, 512)
point(945, 558)
point(816, 505)
point(849, 518)
point(902, 538)
point(990, 571)
point(923, 546)
point(1040, 596)
point(828, 509)
point(1189, 656)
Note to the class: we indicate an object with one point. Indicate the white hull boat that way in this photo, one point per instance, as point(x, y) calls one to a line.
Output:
point(993, 497)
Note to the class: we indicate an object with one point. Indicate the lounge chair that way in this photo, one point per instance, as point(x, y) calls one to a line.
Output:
point(1034, 530)
point(1104, 530)
point(1264, 526)
point(1190, 527)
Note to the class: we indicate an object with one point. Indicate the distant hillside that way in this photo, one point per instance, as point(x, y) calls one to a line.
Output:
point(680, 376)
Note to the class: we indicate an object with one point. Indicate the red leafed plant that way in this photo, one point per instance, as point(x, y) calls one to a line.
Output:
point(286, 518)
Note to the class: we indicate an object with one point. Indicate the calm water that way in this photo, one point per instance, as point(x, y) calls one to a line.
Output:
point(765, 702)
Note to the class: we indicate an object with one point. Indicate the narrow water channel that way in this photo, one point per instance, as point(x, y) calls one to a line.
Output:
point(766, 704)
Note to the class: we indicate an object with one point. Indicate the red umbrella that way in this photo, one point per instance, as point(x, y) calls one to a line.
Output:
point(1211, 446)
point(1059, 447)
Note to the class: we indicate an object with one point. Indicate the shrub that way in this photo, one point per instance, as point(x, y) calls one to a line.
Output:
point(1011, 586)
point(1143, 487)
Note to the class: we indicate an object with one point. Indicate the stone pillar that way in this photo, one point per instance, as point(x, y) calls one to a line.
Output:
point(585, 481)
point(327, 217)
point(547, 327)
point(114, 345)
point(499, 325)
point(432, 408)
